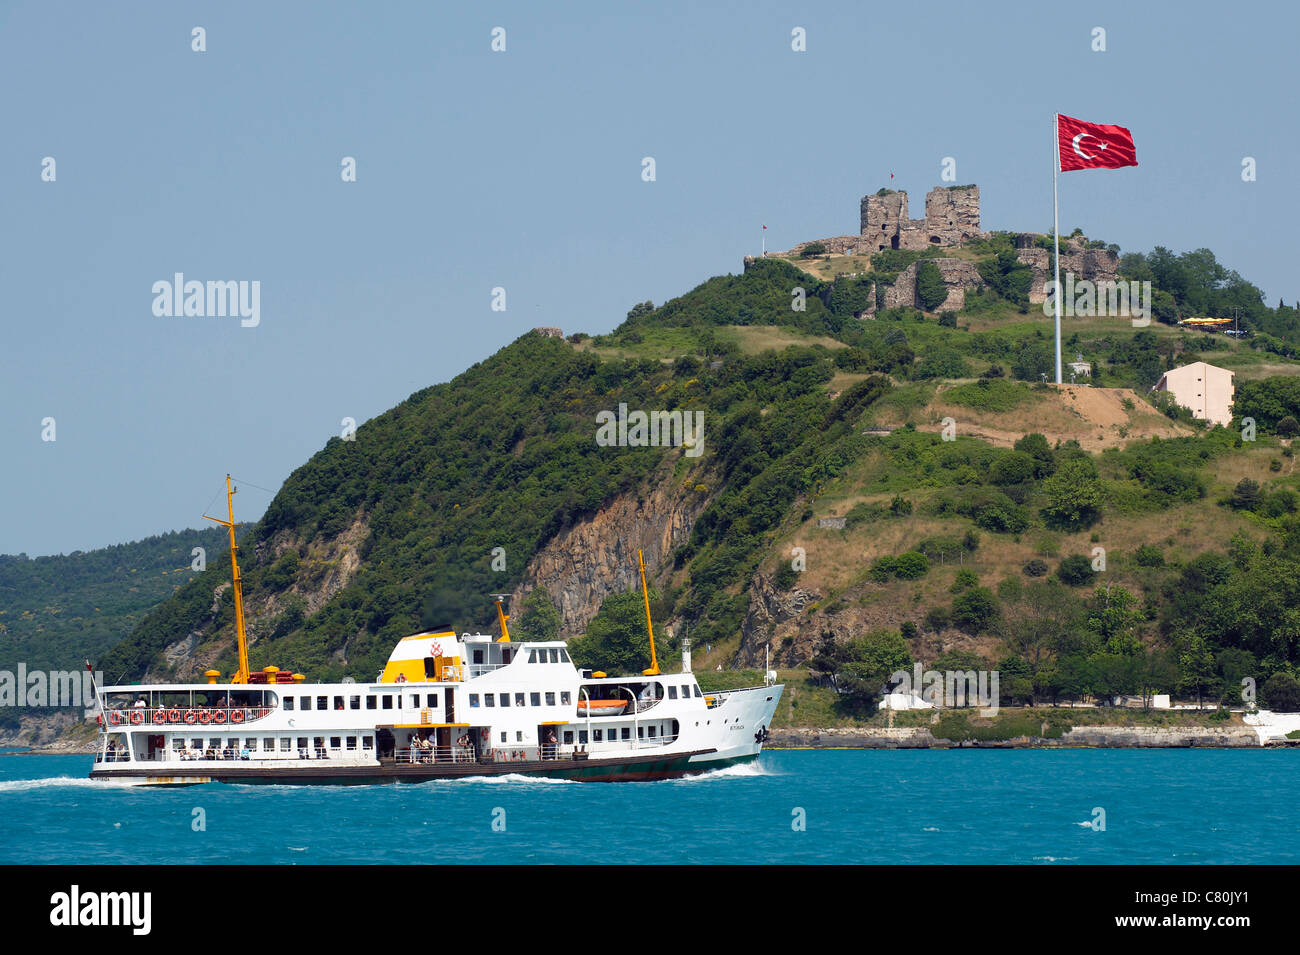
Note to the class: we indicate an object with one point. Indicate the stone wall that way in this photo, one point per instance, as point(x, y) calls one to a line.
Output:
point(958, 275)
point(1096, 265)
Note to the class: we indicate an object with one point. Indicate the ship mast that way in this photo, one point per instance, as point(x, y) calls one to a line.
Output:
point(501, 615)
point(241, 676)
point(654, 661)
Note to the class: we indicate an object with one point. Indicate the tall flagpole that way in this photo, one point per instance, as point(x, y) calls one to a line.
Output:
point(1056, 236)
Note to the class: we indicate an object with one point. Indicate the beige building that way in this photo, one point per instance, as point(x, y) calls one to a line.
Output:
point(1204, 389)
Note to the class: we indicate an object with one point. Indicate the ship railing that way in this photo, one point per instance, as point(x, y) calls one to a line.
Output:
point(436, 754)
point(184, 717)
point(478, 669)
point(643, 705)
point(715, 698)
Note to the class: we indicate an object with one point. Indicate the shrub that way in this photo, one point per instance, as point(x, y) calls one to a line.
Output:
point(911, 565)
point(882, 568)
point(1287, 427)
point(936, 619)
point(949, 320)
point(1036, 568)
point(1076, 571)
point(964, 580)
point(1013, 467)
point(813, 248)
point(975, 609)
point(1148, 555)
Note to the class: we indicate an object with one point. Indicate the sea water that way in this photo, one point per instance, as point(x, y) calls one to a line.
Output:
point(1184, 806)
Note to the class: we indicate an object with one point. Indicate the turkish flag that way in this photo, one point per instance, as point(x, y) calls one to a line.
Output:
point(1093, 145)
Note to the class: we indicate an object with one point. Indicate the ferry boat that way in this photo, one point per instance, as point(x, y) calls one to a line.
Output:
point(445, 705)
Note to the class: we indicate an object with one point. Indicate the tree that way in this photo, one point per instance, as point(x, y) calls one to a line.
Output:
point(1281, 693)
point(1245, 496)
point(1074, 494)
point(539, 619)
point(616, 639)
point(864, 664)
point(931, 292)
point(1195, 666)
point(1036, 446)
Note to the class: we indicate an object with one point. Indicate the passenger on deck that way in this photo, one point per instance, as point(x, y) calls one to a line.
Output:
point(550, 745)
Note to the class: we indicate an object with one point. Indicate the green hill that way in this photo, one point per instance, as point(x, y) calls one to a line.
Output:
point(495, 482)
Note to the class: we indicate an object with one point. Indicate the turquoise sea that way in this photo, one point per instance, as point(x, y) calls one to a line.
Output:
point(869, 806)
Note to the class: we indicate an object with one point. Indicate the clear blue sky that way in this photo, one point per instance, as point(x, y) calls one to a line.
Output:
point(522, 169)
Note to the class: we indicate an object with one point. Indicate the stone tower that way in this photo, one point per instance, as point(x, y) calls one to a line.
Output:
point(952, 216)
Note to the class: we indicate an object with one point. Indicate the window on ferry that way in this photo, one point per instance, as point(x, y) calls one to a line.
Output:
point(582, 736)
point(302, 743)
point(597, 735)
point(519, 736)
point(338, 702)
point(473, 699)
point(564, 697)
point(534, 699)
point(371, 701)
point(431, 699)
point(672, 692)
point(652, 732)
point(232, 744)
point(503, 737)
point(519, 699)
point(640, 732)
point(288, 702)
point(489, 699)
point(550, 698)
point(627, 733)
point(555, 655)
point(214, 743)
point(564, 655)
point(268, 744)
point(305, 702)
point(568, 736)
point(352, 742)
point(196, 744)
point(322, 702)
point(505, 656)
point(367, 742)
point(505, 699)
point(388, 702)
point(478, 656)
point(532, 656)
point(415, 701)
point(286, 744)
point(250, 744)
point(698, 694)
point(334, 742)
point(318, 742)
point(354, 702)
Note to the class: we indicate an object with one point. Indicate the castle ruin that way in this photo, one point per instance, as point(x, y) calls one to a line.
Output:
point(952, 216)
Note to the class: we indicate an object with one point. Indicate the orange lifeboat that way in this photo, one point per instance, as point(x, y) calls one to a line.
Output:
point(602, 707)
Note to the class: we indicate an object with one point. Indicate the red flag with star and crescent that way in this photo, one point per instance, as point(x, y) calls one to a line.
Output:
point(1093, 145)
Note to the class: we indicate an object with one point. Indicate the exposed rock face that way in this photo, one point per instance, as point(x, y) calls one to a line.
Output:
point(549, 331)
point(958, 275)
point(769, 608)
point(329, 566)
point(952, 215)
point(585, 563)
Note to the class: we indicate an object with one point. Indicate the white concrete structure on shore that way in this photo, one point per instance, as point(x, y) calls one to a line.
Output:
point(1270, 725)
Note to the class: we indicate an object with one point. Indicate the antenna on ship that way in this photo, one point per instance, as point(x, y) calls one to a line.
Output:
point(654, 661)
point(241, 676)
point(503, 617)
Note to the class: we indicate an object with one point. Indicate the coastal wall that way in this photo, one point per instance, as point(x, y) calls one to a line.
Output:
point(1101, 737)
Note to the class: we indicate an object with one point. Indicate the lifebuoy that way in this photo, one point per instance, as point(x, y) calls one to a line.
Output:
point(99, 720)
point(483, 736)
point(219, 716)
point(137, 717)
point(114, 717)
point(173, 715)
point(160, 715)
point(191, 716)
point(205, 716)
point(236, 716)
